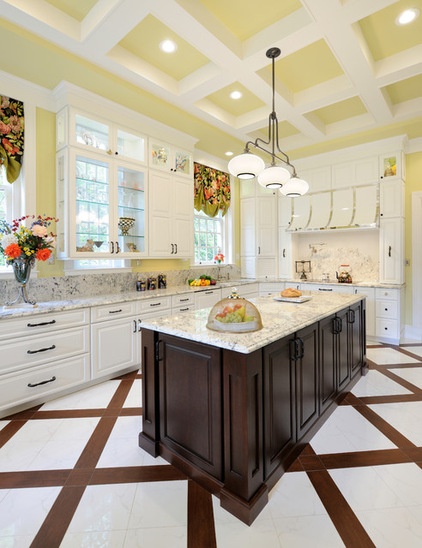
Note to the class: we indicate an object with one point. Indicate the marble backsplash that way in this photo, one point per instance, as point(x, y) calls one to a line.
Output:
point(83, 285)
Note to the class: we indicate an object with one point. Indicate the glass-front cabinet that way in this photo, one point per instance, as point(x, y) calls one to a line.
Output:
point(102, 205)
point(170, 158)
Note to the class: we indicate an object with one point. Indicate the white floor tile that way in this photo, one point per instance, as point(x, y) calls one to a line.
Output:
point(134, 398)
point(347, 430)
point(231, 534)
point(96, 539)
point(308, 531)
point(414, 349)
point(364, 489)
point(104, 508)
point(22, 512)
point(294, 495)
point(412, 375)
point(94, 397)
point(159, 504)
point(49, 444)
point(156, 537)
point(388, 356)
point(404, 417)
point(3, 424)
point(377, 384)
point(405, 480)
point(393, 527)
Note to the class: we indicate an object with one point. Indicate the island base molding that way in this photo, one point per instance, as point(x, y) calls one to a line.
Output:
point(235, 422)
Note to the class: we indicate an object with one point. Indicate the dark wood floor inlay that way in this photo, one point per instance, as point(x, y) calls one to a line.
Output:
point(201, 531)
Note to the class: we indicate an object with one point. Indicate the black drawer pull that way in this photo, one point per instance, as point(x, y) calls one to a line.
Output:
point(115, 311)
point(40, 324)
point(30, 385)
point(324, 289)
point(184, 300)
point(183, 309)
point(52, 347)
point(155, 304)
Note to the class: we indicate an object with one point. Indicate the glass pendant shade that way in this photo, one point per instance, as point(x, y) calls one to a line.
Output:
point(246, 165)
point(295, 187)
point(273, 177)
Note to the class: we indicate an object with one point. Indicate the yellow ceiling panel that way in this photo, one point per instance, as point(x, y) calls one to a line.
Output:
point(340, 111)
point(235, 107)
point(244, 18)
point(384, 37)
point(305, 68)
point(405, 90)
point(77, 10)
point(144, 40)
point(285, 129)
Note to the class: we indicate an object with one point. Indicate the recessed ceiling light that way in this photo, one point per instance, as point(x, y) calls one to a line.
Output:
point(168, 46)
point(235, 94)
point(407, 16)
point(229, 153)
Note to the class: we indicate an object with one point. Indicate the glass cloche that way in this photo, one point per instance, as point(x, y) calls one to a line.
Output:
point(234, 315)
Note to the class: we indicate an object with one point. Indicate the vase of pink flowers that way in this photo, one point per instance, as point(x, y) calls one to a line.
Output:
point(21, 245)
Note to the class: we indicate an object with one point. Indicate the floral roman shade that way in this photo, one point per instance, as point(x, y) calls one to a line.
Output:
point(12, 136)
point(211, 190)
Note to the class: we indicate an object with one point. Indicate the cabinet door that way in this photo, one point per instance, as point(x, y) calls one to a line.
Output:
point(248, 234)
point(307, 379)
point(182, 210)
point(266, 226)
point(356, 337)
point(369, 292)
point(285, 254)
point(190, 402)
point(160, 205)
point(279, 411)
point(327, 362)
point(391, 199)
point(343, 360)
point(115, 346)
point(207, 298)
point(391, 250)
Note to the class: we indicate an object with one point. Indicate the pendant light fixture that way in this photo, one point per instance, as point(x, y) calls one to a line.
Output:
point(249, 165)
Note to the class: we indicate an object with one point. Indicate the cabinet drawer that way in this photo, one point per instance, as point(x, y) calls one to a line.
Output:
point(390, 294)
point(273, 288)
point(387, 309)
point(38, 350)
point(186, 299)
point(43, 323)
point(182, 308)
point(113, 311)
point(387, 329)
point(152, 305)
point(36, 383)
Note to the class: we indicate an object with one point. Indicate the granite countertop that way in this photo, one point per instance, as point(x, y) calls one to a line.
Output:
point(87, 301)
point(279, 320)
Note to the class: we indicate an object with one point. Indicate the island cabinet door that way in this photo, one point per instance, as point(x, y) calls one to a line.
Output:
point(279, 409)
point(328, 330)
point(304, 352)
point(190, 401)
point(343, 358)
point(357, 339)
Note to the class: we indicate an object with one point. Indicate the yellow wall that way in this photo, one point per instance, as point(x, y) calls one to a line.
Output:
point(413, 184)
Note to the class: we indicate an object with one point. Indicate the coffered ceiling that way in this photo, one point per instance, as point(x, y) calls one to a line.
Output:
point(347, 72)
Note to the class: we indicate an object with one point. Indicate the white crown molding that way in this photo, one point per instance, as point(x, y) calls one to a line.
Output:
point(25, 91)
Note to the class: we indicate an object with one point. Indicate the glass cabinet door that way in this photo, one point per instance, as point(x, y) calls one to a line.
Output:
point(160, 155)
point(183, 162)
point(92, 201)
point(131, 210)
point(92, 133)
point(130, 146)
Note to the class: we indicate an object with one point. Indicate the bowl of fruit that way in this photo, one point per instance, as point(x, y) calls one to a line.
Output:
point(234, 315)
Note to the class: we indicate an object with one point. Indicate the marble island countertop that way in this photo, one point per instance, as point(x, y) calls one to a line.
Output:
point(279, 319)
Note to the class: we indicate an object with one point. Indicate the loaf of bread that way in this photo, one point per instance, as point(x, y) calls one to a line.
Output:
point(290, 292)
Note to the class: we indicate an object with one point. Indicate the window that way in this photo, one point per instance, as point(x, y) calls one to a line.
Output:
point(209, 237)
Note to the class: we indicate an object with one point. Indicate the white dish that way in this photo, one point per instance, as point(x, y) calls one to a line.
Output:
point(239, 327)
point(301, 299)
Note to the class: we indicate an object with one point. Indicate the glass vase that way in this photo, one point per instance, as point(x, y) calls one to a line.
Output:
point(22, 270)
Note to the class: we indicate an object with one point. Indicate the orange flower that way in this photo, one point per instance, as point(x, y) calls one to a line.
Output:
point(13, 251)
point(42, 254)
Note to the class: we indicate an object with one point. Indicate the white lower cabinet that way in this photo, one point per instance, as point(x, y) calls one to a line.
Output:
point(325, 288)
point(271, 288)
point(42, 354)
point(114, 339)
point(182, 303)
point(389, 315)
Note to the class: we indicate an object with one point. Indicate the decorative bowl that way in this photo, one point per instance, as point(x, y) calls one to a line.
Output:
point(125, 224)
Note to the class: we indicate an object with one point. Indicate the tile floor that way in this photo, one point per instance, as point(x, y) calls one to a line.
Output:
point(72, 474)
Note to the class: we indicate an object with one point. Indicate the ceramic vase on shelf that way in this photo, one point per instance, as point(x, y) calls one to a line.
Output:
point(22, 270)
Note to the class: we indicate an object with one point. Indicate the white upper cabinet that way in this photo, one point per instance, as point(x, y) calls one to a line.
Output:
point(342, 208)
point(320, 210)
point(318, 178)
point(170, 158)
point(391, 198)
point(392, 166)
point(355, 172)
point(75, 128)
point(366, 206)
point(301, 213)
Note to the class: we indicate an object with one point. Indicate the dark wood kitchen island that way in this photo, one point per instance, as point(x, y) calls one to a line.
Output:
point(233, 411)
